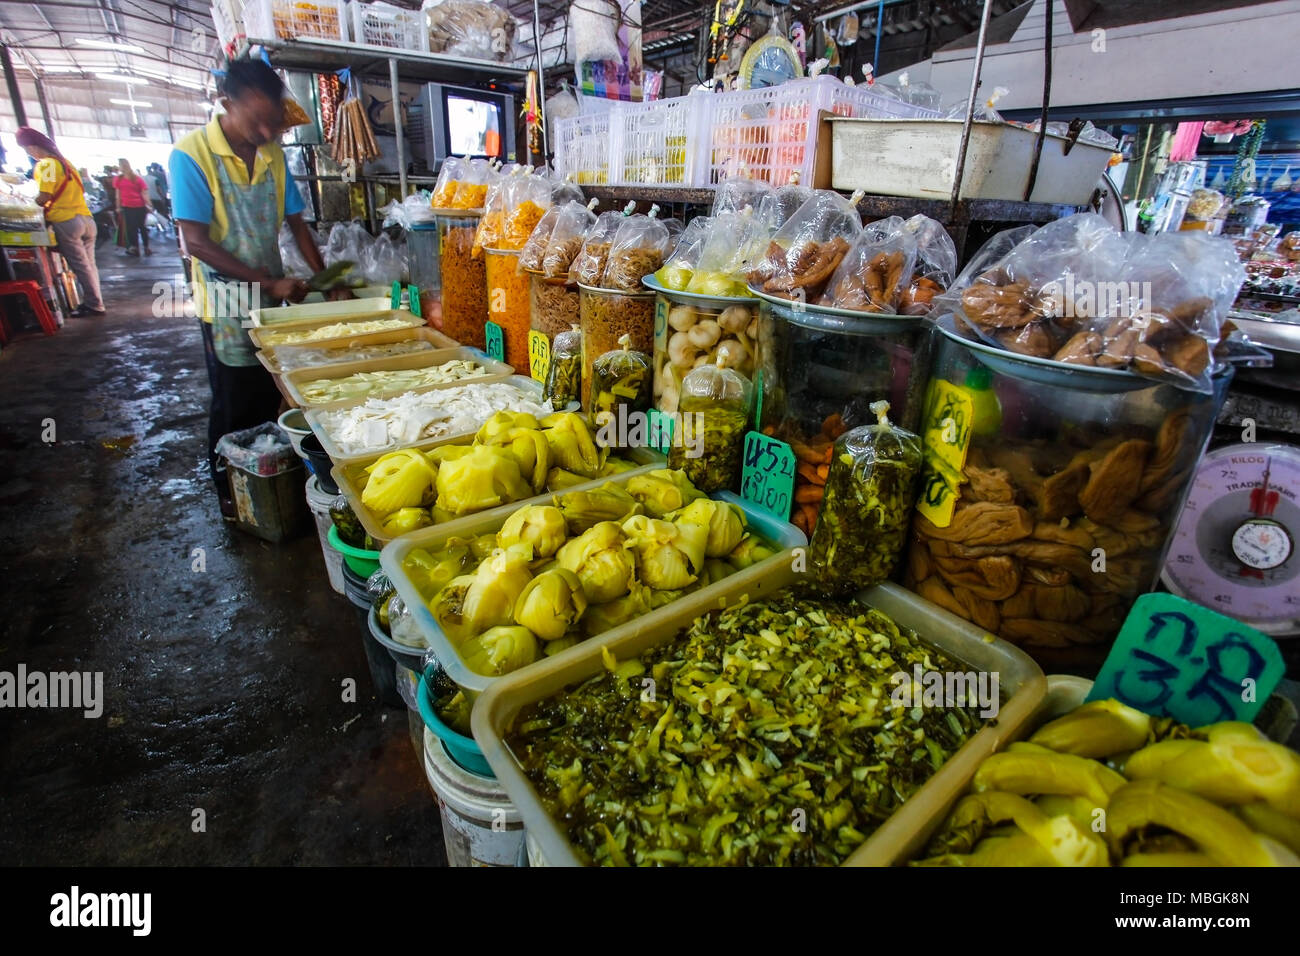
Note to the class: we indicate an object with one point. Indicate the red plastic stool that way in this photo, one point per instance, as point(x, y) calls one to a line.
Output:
point(33, 293)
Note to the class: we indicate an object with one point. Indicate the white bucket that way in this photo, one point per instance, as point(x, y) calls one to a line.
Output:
point(319, 502)
point(480, 826)
point(293, 424)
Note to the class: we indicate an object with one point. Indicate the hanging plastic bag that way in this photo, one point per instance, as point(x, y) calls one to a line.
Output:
point(622, 378)
point(935, 268)
point(291, 256)
point(384, 262)
point(714, 415)
point(806, 251)
point(867, 508)
point(444, 191)
point(735, 245)
point(565, 241)
point(564, 376)
point(593, 25)
point(589, 265)
point(638, 249)
point(676, 272)
point(877, 270)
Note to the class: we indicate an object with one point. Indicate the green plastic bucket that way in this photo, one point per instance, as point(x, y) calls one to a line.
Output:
point(361, 561)
point(462, 749)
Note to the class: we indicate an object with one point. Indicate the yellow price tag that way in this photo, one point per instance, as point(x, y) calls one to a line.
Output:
point(539, 355)
point(945, 435)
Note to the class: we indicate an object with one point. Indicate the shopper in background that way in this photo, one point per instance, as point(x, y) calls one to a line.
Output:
point(158, 191)
point(64, 201)
point(230, 193)
point(133, 204)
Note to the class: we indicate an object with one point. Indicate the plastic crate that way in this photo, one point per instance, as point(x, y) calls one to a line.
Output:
point(583, 147)
point(771, 133)
point(296, 19)
point(227, 16)
point(384, 25)
point(659, 141)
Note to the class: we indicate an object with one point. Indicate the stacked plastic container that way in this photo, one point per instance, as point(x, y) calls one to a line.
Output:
point(296, 19)
point(582, 147)
point(384, 25)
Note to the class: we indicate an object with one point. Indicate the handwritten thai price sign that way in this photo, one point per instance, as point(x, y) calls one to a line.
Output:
point(945, 437)
point(413, 296)
point(395, 296)
point(1177, 659)
point(496, 341)
point(767, 478)
point(539, 355)
point(661, 430)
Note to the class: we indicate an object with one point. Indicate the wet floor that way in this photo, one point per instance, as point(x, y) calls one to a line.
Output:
point(222, 688)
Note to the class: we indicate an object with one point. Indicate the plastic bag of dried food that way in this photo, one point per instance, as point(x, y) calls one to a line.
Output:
point(444, 191)
point(783, 203)
point(867, 506)
point(530, 257)
point(714, 415)
point(563, 191)
point(735, 245)
point(565, 240)
point(622, 378)
point(589, 265)
point(564, 376)
point(675, 229)
point(474, 177)
point(492, 227)
point(528, 202)
point(935, 269)
point(639, 248)
point(469, 28)
point(876, 272)
point(676, 273)
point(736, 194)
point(1165, 315)
point(806, 251)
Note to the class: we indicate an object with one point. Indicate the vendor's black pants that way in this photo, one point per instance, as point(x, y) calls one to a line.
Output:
point(242, 397)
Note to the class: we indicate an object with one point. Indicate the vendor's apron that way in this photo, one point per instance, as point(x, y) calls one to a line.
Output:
point(253, 216)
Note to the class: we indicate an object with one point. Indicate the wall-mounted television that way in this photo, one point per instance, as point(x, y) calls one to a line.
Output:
point(462, 121)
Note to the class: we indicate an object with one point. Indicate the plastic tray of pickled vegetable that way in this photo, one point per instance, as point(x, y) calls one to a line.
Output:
point(336, 386)
point(365, 430)
point(753, 726)
point(360, 292)
point(356, 348)
point(497, 594)
point(316, 331)
point(514, 457)
point(281, 316)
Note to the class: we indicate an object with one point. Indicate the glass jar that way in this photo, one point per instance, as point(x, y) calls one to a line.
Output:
point(464, 281)
point(552, 308)
point(694, 330)
point(607, 316)
point(821, 368)
point(1068, 484)
point(508, 304)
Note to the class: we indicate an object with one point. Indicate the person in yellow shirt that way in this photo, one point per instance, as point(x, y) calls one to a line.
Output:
point(64, 200)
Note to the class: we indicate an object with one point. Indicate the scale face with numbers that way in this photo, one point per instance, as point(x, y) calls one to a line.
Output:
point(1235, 548)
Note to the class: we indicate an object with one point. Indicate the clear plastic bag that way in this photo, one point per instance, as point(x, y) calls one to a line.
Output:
point(714, 416)
point(593, 25)
point(261, 450)
point(639, 248)
point(783, 203)
point(444, 191)
point(291, 256)
point(877, 270)
point(476, 176)
point(622, 378)
point(806, 251)
point(984, 112)
point(530, 257)
point(563, 191)
point(469, 28)
point(735, 244)
point(528, 203)
point(589, 265)
point(384, 262)
point(348, 242)
point(565, 241)
point(738, 193)
point(564, 376)
point(492, 227)
point(935, 269)
point(867, 508)
point(676, 272)
point(411, 210)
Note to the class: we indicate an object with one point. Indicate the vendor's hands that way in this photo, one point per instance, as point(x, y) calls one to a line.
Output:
point(341, 294)
point(292, 290)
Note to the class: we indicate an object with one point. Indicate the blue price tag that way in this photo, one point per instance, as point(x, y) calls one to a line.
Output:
point(767, 479)
point(1177, 659)
point(496, 341)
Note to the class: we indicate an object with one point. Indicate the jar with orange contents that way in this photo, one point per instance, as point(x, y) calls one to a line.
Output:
point(507, 291)
point(464, 281)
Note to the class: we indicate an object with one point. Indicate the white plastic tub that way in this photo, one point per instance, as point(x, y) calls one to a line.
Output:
point(319, 502)
point(480, 826)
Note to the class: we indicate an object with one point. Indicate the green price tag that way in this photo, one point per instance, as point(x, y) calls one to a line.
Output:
point(661, 430)
point(539, 355)
point(496, 342)
point(768, 476)
point(1177, 659)
point(395, 299)
point(413, 295)
point(758, 399)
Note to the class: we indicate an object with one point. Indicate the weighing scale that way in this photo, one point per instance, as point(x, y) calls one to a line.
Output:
point(1235, 548)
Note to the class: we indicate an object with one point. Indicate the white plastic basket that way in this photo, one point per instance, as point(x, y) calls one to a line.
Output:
point(583, 147)
point(384, 25)
point(227, 16)
point(770, 133)
point(296, 19)
point(660, 141)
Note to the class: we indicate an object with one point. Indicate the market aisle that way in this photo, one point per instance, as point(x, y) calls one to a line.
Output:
point(221, 688)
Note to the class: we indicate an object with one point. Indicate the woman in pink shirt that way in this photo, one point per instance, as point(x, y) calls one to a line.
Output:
point(133, 203)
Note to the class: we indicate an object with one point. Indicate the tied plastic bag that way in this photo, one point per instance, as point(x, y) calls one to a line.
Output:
point(530, 257)
point(529, 200)
point(783, 203)
point(805, 252)
point(870, 491)
point(735, 195)
point(565, 241)
point(676, 273)
point(714, 415)
point(589, 265)
point(734, 246)
point(475, 177)
point(593, 27)
point(622, 378)
point(491, 228)
point(384, 262)
point(563, 191)
point(348, 242)
point(411, 210)
point(469, 28)
point(291, 256)
point(444, 191)
point(564, 377)
point(984, 112)
point(639, 248)
point(877, 270)
point(935, 268)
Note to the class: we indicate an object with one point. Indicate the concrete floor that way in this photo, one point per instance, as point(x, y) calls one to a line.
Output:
point(222, 689)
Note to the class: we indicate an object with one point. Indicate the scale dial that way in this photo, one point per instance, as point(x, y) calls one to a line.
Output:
point(1234, 550)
